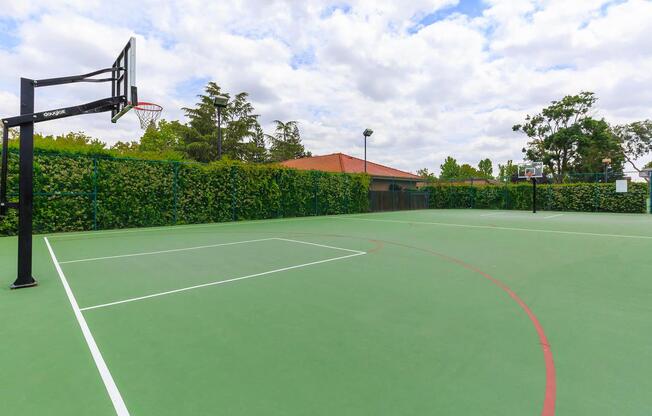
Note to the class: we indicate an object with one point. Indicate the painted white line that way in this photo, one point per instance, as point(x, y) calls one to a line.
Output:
point(491, 214)
point(553, 216)
point(101, 233)
point(320, 245)
point(111, 388)
point(174, 250)
point(219, 282)
point(488, 227)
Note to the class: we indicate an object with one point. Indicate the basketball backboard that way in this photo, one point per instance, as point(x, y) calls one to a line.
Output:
point(123, 85)
point(530, 170)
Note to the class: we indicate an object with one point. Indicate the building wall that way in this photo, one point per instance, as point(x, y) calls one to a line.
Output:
point(378, 184)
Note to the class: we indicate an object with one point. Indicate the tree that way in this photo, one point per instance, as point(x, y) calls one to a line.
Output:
point(634, 139)
point(449, 169)
point(167, 135)
point(254, 150)
point(485, 168)
point(427, 176)
point(240, 125)
point(286, 142)
point(507, 172)
point(555, 133)
point(596, 143)
point(468, 172)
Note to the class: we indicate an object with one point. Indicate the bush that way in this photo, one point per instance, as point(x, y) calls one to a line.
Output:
point(593, 197)
point(85, 192)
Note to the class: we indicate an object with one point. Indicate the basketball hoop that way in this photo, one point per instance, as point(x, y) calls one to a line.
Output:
point(529, 174)
point(148, 114)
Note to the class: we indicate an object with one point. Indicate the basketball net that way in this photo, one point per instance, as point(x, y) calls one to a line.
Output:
point(148, 114)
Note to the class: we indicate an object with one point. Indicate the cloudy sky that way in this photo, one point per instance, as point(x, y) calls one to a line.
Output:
point(431, 77)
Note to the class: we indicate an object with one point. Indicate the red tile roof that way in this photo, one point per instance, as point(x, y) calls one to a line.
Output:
point(339, 162)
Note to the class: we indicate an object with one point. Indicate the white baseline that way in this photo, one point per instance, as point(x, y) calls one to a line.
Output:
point(109, 384)
point(489, 227)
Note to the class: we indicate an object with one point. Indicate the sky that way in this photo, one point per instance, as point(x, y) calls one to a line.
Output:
point(432, 78)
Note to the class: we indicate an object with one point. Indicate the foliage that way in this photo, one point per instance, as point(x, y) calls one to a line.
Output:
point(635, 140)
point(486, 168)
point(566, 138)
point(557, 197)
point(507, 172)
point(468, 172)
point(427, 176)
point(449, 169)
point(84, 192)
point(286, 142)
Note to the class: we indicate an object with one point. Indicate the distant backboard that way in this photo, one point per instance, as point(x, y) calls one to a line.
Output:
point(123, 85)
point(530, 170)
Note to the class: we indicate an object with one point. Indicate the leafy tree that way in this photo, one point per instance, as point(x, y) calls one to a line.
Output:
point(286, 142)
point(449, 169)
point(74, 142)
point(485, 168)
point(427, 176)
point(468, 172)
point(255, 151)
point(240, 124)
point(635, 140)
point(556, 132)
point(167, 135)
point(596, 143)
point(508, 171)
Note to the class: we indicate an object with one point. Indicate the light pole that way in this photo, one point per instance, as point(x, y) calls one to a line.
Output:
point(220, 102)
point(366, 133)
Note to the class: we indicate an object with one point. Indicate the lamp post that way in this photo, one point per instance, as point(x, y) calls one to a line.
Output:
point(220, 102)
point(606, 162)
point(366, 133)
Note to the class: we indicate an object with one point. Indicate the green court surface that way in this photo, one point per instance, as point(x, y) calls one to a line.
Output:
point(434, 312)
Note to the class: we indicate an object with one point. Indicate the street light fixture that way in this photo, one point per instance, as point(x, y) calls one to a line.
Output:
point(366, 133)
point(220, 102)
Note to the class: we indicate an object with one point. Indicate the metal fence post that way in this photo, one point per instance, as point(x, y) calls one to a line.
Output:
point(95, 193)
point(175, 192)
point(649, 182)
point(233, 193)
point(315, 187)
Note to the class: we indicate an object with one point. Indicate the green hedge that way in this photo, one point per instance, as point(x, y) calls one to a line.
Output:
point(76, 193)
point(588, 197)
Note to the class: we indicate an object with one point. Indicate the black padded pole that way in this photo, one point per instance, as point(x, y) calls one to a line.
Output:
point(25, 188)
point(4, 166)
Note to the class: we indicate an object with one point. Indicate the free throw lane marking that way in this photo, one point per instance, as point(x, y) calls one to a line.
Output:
point(491, 214)
point(111, 388)
point(220, 282)
point(553, 216)
point(319, 245)
point(174, 250)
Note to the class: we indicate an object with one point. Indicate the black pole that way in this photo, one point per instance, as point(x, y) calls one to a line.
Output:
point(365, 153)
point(534, 195)
point(3, 170)
point(25, 191)
point(219, 133)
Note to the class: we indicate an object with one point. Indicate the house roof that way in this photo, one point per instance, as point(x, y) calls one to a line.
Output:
point(339, 162)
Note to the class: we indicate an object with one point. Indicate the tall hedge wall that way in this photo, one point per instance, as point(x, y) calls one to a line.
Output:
point(76, 193)
point(590, 197)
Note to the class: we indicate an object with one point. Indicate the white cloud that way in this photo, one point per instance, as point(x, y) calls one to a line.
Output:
point(453, 87)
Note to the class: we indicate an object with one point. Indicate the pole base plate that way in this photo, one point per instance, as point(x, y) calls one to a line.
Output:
point(24, 285)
